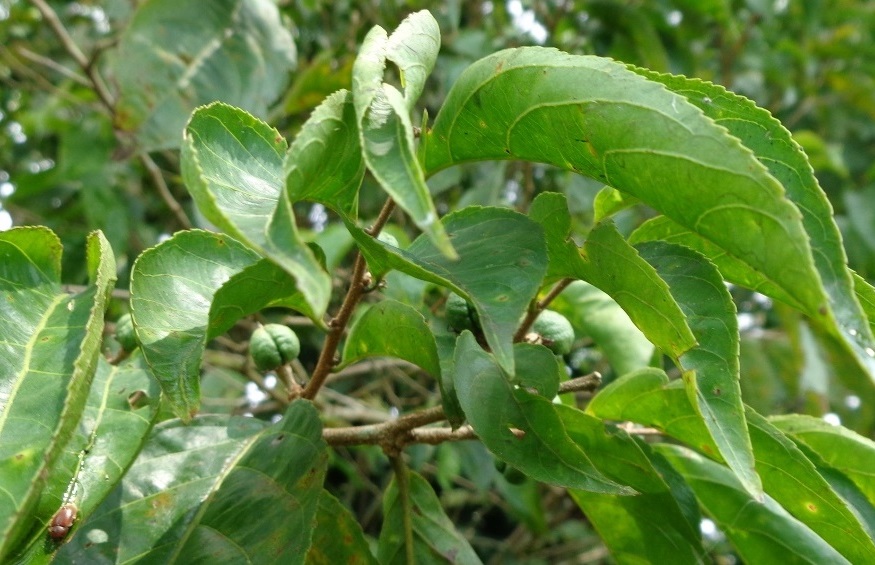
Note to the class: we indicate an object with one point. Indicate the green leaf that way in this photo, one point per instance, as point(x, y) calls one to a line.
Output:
point(435, 539)
point(594, 314)
point(414, 46)
point(521, 428)
point(502, 261)
point(608, 262)
point(594, 116)
point(232, 164)
point(787, 475)
point(179, 466)
point(838, 447)
point(337, 537)
point(384, 120)
point(121, 408)
point(186, 291)
point(240, 52)
point(215, 490)
point(325, 162)
point(609, 201)
point(661, 523)
point(711, 368)
point(774, 147)
point(392, 329)
point(48, 355)
point(762, 532)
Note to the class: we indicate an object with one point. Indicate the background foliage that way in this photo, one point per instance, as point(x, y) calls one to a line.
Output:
point(76, 159)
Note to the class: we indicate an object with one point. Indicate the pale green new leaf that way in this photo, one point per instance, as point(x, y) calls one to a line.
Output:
point(384, 119)
point(48, 356)
point(239, 52)
point(711, 369)
point(232, 164)
point(414, 46)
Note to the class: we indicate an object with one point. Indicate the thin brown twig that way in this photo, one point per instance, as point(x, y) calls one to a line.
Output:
point(78, 56)
point(158, 179)
point(53, 65)
point(533, 313)
point(337, 325)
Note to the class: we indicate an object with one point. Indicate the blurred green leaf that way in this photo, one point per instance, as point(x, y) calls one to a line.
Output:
point(435, 539)
point(337, 537)
point(240, 52)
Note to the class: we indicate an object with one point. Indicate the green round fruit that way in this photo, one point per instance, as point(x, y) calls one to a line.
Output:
point(460, 315)
point(273, 345)
point(124, 333)
point(387, 238)
point(555, 331)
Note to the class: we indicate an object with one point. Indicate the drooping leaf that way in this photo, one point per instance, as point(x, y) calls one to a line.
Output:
point(840, 448)
point(595, 116)
point(502, 261)
point(218, 490)
point(785, 160)
point(594, 314)
point(761, 532)
point(519, 427)
point(240, 52)
point(788, 477)
point(435, 539)
point(337, 537)
point(392, 329)
point(121, 408)
point(711, 368)
point(232, 164)
point(384, 117)
point(189, 289)
point(609, 263)
point(48, 355)
point(660, 524)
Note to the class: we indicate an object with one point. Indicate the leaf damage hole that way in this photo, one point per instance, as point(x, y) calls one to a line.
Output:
point(517, 433)
point(277, 440)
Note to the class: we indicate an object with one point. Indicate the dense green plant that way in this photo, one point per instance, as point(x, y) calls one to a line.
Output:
point(732, 199)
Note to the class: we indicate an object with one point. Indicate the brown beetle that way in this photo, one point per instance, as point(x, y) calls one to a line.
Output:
point(62, 521)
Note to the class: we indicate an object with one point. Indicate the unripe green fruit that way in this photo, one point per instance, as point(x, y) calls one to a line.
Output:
point(124, 333)
point(460, 315)
point(555, 330)
point(273, 345)
point(387, 238)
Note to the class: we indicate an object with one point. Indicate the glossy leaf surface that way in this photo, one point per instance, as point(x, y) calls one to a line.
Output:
point(48, 355)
